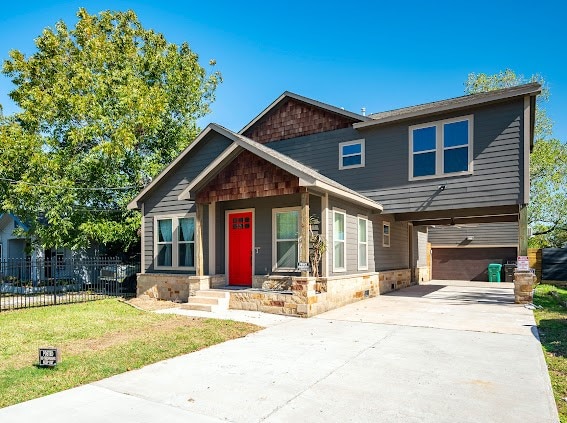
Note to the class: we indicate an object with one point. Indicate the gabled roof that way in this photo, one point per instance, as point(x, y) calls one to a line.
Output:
point(307, 176)
point(17, 220)
point(531, 89)
point(134, 203)
point(289, 95)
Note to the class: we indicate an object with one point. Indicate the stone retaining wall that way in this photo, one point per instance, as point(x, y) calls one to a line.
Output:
point(309, 296)
point(392, 280)
point(173, 287)
point(306, 297)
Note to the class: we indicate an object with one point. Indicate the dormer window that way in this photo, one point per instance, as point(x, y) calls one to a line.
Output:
point(351, 154)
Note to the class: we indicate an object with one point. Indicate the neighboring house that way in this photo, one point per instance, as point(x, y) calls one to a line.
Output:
point(233, 208)
point(16, 254)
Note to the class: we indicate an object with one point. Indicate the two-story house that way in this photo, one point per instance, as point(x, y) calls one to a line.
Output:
point(233, 210)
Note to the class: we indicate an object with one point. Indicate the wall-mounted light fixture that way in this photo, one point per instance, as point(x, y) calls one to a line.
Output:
point(470, 238)
point(441, 187)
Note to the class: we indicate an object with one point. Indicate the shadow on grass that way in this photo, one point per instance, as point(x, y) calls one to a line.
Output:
point(553, 336)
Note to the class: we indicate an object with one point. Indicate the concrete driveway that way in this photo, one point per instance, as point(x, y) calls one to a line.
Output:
point(441, 352)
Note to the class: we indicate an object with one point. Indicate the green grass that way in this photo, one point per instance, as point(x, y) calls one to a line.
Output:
point(552, 325)
point(97, 340)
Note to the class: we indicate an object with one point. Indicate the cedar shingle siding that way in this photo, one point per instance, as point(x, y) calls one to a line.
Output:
point(294, 119)
point(249, 176)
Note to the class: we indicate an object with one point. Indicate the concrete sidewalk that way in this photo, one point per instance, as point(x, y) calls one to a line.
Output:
point(433, 353)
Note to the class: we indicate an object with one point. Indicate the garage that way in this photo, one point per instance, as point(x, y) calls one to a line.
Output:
point(469, 264)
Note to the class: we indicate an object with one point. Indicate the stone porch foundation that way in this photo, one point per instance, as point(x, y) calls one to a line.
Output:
point(171, 287)
point(306, 297)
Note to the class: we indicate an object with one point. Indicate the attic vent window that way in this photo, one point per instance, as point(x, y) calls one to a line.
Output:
point(351, 154)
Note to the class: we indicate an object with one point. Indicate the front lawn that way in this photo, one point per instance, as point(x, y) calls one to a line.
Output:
point(97, 340)
point(552, 325)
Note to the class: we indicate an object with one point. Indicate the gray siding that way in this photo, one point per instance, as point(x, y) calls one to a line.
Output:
point(396, 256)
point(497, 155)
point(351, 236)
point(486, 234)
point(163, 199)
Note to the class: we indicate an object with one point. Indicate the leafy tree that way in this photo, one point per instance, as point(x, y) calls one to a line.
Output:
point(547, 211)
point(104, 106)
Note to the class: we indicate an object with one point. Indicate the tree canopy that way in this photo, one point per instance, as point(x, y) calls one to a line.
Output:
point(104, 106)
point(547, 210)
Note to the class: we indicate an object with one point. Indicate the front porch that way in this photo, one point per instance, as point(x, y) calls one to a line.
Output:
point(295, 296)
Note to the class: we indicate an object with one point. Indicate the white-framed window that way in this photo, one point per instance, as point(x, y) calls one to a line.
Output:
point(175, 242)
point(362, 243)
point(285, 248)
point(441, 148)
point(351, 154)
point(186, 242)
point(385, 234)
point(339, 241)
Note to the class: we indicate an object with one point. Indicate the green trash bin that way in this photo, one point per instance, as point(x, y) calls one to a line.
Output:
point(494, 272)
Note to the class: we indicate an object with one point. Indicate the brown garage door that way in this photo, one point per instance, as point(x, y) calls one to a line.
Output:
point(468, 264)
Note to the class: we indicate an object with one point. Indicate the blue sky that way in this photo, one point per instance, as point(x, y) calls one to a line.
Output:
point(379, 55)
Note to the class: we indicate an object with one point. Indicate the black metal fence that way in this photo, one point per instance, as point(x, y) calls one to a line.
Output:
point(36, 283)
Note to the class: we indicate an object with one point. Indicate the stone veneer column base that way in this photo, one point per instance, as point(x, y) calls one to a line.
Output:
point(524, 287)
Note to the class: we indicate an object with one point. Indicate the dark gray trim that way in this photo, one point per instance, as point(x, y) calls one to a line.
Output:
point(452, 104)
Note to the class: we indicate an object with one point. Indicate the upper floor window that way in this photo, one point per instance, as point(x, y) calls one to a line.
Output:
point(441, 148)
point(351, 154)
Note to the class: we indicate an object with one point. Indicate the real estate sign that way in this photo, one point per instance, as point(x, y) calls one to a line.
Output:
point(523, 263)
point(49, 357)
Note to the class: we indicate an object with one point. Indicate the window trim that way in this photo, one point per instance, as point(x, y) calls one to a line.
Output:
point(362, 154)
point(389, 226)
point(174, 240)
point(344, 241)
point(275, 211)
point(365, 219)
point(440, 149)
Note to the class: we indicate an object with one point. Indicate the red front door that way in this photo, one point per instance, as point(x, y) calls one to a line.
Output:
point(240, 248)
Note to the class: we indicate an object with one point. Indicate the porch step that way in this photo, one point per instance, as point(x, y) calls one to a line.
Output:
point(208, 300)
point(212, 293)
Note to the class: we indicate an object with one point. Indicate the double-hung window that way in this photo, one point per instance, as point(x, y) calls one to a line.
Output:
point(286, 238)
point(339, 241)
point(441, 148)
point(186, 242)
point(362, 243)
point(351, 154)
point(175, 242)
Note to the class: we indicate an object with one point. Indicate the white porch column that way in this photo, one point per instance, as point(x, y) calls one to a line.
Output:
point(523, 232)
point(199, 241)
point(304, 231)
point(212, 238)
point(324, 231)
